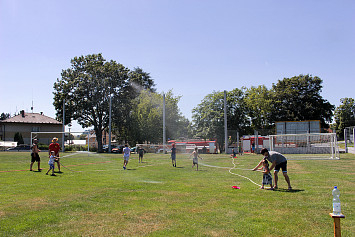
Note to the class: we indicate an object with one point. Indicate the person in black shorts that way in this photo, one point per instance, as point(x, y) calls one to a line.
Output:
point(35, 156)
point(140, 154)
point(278, 162)
point(173, 155)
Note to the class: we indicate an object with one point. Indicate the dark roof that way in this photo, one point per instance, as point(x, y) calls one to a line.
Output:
point(31, 118)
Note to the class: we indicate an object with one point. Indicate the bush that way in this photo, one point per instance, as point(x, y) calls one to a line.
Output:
point(43, 146)
point(18, 138)
point(79, 148)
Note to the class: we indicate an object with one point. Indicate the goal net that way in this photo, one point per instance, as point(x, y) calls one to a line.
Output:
point(306, 146)
point(64, 138)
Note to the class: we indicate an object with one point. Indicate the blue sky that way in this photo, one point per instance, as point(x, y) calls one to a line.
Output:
point(193, 47)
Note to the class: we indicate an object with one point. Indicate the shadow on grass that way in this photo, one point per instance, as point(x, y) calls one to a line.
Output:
point(131, 169)
point(180, 167)
point(284, 190)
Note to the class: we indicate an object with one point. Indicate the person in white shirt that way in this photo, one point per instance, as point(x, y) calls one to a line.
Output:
point(195, 158)
point(51, 161)
point(126, 155)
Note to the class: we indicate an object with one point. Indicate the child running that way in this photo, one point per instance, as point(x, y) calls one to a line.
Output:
point(173, 155)
point(126, 154)
point(267, 178)
point(140, 153)
point(234, 154)
point(51, 161)
point(195, 158)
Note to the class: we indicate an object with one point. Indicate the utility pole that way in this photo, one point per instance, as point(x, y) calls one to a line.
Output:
point(109, 125)
point(63, 135)
point(225, 123)
point(164, 132)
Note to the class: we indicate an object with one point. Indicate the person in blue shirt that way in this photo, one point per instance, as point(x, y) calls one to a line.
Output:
point(173, 155)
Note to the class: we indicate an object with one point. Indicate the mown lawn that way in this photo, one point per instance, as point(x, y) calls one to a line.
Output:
point(94, 196)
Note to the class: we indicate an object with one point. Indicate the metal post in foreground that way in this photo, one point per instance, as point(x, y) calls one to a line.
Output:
point(337, 229)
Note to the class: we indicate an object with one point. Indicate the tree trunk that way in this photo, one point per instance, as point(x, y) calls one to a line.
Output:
point(99, 139)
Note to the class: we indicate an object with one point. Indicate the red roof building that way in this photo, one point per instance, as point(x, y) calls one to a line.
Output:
point(25, 123)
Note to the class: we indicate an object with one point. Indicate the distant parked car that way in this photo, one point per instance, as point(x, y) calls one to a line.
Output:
point(21, 147)
point(105, 148)
point(136, 149)
point(118, 149)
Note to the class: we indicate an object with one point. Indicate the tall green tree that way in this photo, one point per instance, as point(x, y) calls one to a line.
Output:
point(147, 116)
point(18, 138)
point(208, 116)
point(344, 116)
point(141, 80)
point(176, 124)
point(258, 102)
point(123, 123)
point(86, 88)
point(298, 98)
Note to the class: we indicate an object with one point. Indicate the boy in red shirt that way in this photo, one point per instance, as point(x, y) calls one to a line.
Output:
point(54, 146)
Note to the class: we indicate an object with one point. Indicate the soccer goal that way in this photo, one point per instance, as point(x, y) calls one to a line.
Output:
point(64, 138)
point(306, 146)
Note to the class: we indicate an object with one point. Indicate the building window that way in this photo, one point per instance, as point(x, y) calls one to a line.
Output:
point(35, 129)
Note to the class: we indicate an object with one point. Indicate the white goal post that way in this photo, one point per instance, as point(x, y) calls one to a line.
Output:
point(49, 138)
point(310, 145)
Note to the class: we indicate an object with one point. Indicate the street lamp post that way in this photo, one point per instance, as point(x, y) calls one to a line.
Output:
point(109, 125)
point(164, 131)
point(225, 124)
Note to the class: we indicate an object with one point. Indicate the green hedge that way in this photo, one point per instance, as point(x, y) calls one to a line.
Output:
point(70, 148)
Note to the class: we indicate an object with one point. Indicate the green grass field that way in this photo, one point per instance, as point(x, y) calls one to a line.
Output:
point(96, 197)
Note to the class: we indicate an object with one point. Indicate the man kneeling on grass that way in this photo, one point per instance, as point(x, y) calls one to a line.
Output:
point(278, 162)
point(51, 161)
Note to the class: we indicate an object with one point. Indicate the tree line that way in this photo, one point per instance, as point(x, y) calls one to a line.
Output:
point(86, 88)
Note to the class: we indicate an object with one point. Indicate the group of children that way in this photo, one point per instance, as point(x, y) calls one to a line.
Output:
point(54, 149)
point(127, 152)
point(194, 159)
point(267, 178)
point(54, 157)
